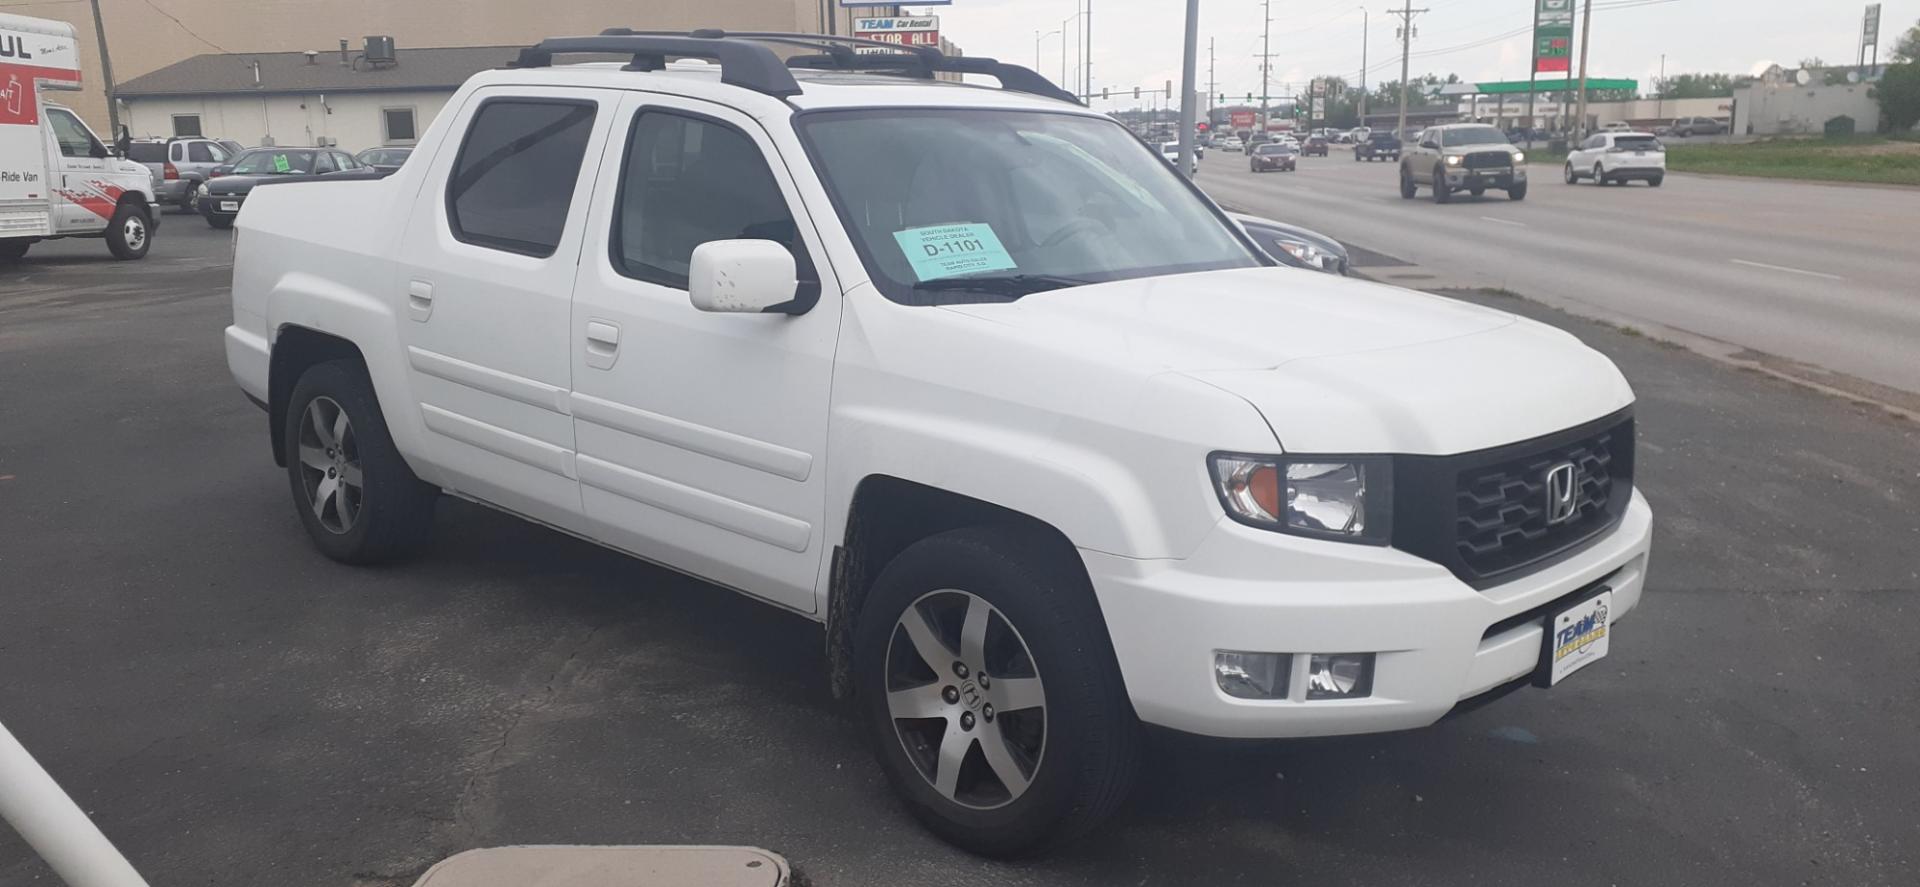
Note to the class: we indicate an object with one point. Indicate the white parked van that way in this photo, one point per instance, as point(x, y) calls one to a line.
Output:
point(57, 179)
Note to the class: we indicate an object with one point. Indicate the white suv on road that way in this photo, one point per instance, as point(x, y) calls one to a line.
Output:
point(967, 374)
point(1618, 158)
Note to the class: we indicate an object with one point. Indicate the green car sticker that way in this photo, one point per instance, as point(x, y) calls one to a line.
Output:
point(280, 163)
point(952, 250)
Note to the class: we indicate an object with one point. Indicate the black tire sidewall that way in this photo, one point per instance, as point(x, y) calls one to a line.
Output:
point(116, 232)
point(1091, 742)
point(390, 521)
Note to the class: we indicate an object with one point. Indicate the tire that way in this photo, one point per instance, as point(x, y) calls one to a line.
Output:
point(219, 222)
point(1570, 175)
point(14, 250)
point(1441, 193)
point(1517, 192)
point(1407, 188)
point(1655, 181)
point(1477, 191)
point(1060, 785)
point(130, 232)
point(1600, 176)
point(391, 516)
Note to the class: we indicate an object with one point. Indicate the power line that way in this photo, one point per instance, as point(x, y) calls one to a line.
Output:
point(183, 26)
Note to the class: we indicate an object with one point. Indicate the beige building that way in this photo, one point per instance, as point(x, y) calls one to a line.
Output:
point(144, 37)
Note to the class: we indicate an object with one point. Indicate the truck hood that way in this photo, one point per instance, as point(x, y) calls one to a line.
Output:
point(1335, 365)
point(1253, 318)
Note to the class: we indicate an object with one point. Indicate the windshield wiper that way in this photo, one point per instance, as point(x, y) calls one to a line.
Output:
point(1014, 285)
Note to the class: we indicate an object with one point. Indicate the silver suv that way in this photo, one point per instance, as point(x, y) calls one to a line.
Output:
point(1470, 157)
point(179, 165)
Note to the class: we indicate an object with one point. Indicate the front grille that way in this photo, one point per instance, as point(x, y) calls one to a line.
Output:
point(1488, 160)
point(1484, 514)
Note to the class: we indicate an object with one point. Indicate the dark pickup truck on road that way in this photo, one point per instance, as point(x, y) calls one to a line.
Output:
point(1378, 146)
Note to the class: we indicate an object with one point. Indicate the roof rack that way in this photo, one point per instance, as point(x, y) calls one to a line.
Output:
point(748, 61)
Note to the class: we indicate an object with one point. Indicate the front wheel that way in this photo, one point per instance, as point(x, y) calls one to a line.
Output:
point(220, 222)
point(13, 250)
point(1407, 188)
point(130, 232)
point(360, 502)
point(1441, 193)
point(1568, 173)
point(989, 689)
point(1517, 192)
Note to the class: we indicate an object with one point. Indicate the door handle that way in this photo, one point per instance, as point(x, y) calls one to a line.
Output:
point(603, 344)
point(419, 300)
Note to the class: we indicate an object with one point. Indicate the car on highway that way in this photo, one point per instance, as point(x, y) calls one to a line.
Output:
point(1048, 443)
point(1616, 126)
point(1377, 146)
point(1683, 127)
point(1231, 143)
point(1294, 245)
point(1314, 145)
point(1615, 158)
point(1255, 140)
point(221, 198)
point(1170, 151)
point(1470, 157)
point(385, 161)
point(1282, 156)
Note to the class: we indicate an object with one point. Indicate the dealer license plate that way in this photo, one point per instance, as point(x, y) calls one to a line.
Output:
point(229, 206)
point(1577, 637)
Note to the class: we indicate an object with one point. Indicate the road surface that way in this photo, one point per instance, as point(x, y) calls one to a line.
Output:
point(1823, 274)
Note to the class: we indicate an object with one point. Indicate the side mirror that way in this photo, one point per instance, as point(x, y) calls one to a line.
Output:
point(1431, 144)
point(123, 142)
point(741, 276)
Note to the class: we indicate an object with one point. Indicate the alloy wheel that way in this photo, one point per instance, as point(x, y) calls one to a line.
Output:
point(966, 699)
point(330, 465)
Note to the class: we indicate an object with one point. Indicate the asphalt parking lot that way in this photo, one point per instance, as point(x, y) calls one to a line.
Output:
point(234, 709)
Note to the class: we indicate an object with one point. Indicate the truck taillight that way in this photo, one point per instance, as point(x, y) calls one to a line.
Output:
point(170, 172)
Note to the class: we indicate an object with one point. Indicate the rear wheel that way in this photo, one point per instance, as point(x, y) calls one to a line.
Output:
point(987, 684)
point(130, 232)
point(1600, 176)
point(13, 250)
point(360, 502)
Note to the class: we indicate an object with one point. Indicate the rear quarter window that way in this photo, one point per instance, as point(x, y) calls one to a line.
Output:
point(147, 152)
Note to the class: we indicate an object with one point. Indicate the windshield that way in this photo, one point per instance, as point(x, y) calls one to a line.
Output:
point(1472, 135)
point(953, 205)
point(273, 163)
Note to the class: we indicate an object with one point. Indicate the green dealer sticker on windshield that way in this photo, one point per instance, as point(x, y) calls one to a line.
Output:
point(953, 250)
point(280, 163)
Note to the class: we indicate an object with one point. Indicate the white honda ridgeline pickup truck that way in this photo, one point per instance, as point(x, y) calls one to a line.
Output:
point(968, 374)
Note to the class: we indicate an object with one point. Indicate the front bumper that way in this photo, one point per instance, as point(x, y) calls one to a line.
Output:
point(210, 205)
point(1251, 590)
point(1501, 177)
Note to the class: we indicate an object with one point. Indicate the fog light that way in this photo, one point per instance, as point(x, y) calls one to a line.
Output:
point(1340, 676)
point(1252, 675)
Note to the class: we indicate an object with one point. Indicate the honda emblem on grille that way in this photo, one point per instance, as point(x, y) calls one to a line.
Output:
point(1563, 493)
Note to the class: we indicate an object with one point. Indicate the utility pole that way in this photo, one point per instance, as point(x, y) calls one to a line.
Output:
point(1406, 14)
point(1663, 85)
point(1586, 37)
point(1363, 65)
point(1533, 76)
point(1266, 57)
point(1189, 75)
point(1213, 86)
point(1086, 78)
point(106, 73)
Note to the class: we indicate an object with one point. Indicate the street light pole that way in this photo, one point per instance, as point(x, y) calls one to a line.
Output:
point(1363, 65)
point(1037, 37)
point(1266, 57)
point(1586, 37)
point(1189, 73)
point(1406, 14)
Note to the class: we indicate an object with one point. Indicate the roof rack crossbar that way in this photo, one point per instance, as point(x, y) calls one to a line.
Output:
point(747, 61)
point(742, 63)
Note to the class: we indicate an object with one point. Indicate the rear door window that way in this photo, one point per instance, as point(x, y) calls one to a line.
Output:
point(201, 152)
point(514, 177)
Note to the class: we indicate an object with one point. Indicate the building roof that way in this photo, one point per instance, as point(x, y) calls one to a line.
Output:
point(439, 68)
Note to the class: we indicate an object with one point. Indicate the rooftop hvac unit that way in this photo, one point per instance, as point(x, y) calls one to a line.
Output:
point(379, 51)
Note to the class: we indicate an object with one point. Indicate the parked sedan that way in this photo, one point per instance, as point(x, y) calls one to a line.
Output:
point(1295, 246)
point(220, 198)
point(1274, 155)
point(386, 161)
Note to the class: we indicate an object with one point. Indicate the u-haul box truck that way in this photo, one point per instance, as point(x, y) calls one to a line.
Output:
point(57, 179)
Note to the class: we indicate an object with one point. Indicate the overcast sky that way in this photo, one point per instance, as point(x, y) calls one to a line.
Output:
point(1137, 42)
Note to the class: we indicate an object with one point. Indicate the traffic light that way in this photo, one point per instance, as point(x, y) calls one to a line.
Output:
point(1169, 90)
point(1136, 92)
point(1103, 92)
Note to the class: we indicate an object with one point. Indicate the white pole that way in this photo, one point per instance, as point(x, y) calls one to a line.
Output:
point(1189, 73)
point(54, 826)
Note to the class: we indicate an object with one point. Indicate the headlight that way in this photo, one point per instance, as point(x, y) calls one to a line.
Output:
point(1344, 498)
point(1519, 157)
point(1453, 160)
point(202, 189)
point(1308, 254)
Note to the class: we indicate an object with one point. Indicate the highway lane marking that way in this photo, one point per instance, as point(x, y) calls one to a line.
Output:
point(1821, 274)
point(1505, 222)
